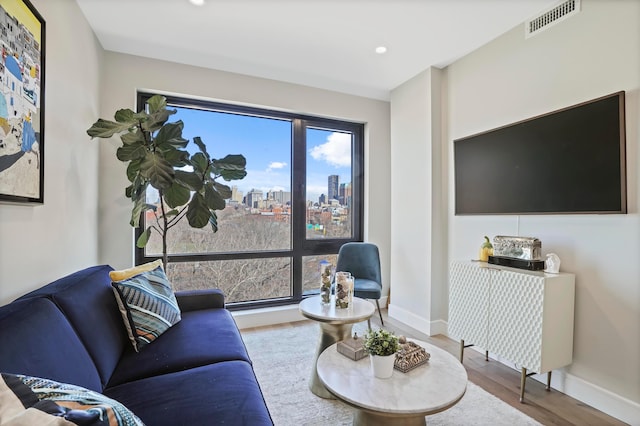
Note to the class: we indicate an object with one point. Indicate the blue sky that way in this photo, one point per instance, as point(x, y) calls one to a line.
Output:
point(266, 144)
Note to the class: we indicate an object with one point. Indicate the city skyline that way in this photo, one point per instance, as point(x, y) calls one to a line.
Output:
point(266, 144)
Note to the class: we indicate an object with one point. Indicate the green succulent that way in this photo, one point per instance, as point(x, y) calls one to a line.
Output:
point(381, 342)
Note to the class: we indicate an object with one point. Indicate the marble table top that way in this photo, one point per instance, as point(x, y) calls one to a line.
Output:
point(430, 388)
point(312, 308)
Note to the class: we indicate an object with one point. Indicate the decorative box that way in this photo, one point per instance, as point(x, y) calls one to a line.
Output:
point(410, 356)
point(352, 348)
point(527, 248)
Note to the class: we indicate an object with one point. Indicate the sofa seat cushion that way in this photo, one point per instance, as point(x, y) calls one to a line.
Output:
point(37, 340)
point(26, 400)
point(201, 337)
point(86, 299)
point(225, 393)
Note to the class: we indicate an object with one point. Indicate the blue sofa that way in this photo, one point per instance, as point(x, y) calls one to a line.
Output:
point(197, 373)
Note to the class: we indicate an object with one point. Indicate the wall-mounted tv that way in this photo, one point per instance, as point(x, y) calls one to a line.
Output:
point(567, 161)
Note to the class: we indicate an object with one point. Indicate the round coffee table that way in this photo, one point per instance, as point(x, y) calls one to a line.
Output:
point(335, 325)
point(405, 398)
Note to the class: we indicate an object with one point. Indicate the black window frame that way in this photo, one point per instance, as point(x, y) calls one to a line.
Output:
point(300, 245)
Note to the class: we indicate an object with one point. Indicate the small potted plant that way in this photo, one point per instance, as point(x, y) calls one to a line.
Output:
point(381, 345)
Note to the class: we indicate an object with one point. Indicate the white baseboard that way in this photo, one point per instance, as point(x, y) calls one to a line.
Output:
point(593, 395)
point(267, 316)
point(430, 328)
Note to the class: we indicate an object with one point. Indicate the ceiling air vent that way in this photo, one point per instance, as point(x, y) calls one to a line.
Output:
point(551, 17)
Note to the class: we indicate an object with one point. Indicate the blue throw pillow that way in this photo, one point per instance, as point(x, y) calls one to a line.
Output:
point(26, 400)
point(146, 301)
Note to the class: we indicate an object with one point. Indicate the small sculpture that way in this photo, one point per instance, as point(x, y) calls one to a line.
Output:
point(552, 263)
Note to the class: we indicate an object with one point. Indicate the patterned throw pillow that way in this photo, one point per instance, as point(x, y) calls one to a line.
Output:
point(147, 302)
point(26, 400)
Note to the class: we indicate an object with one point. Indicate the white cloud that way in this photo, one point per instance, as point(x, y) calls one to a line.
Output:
point(336, 151)
point(276, 165)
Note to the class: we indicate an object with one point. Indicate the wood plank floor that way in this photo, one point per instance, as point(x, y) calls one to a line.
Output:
point(547, 407)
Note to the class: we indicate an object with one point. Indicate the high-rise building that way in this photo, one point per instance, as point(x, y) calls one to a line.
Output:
point(235, 194)
point(279, 197)
point(254, 198)
point(334, 183)
point(345, 194)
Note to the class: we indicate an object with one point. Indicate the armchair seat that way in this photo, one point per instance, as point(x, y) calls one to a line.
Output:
point(366, 289)
point(362, 260)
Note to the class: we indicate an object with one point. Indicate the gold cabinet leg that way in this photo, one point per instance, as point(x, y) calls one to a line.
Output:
point(461, 350)
point(523, 380)
point(549, 381)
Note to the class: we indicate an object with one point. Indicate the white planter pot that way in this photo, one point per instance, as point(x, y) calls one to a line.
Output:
point(382, 366)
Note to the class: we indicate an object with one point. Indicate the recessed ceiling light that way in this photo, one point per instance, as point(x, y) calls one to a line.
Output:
point(197, 2)
point(380, 50)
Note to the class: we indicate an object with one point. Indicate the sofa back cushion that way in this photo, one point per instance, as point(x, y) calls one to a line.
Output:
point(37, 340)
point(86, 299)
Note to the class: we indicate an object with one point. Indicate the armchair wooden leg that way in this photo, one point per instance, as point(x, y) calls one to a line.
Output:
point(379, 312)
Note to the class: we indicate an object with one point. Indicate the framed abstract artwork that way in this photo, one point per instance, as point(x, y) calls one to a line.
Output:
point(22, 40)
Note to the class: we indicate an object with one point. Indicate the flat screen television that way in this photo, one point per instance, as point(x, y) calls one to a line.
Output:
point(567, 161)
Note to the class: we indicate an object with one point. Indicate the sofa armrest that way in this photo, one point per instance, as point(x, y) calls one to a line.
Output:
point(193, 300)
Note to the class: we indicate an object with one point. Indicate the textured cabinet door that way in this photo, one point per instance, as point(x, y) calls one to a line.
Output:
point(469, 303)
point(515, 314)
point(524, 316)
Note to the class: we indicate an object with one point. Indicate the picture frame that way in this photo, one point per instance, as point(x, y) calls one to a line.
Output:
point(22, 77)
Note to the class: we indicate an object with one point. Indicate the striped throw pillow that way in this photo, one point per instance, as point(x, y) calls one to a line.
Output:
point(146, 301)
point(26, 400)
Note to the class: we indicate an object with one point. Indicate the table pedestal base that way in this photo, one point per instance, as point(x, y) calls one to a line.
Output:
point(329, 334)
point(367, 418)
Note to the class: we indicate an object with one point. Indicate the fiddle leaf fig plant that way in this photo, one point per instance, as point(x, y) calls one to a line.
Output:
point(156, 154)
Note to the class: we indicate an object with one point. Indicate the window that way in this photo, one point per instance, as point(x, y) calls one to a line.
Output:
point(300, 201)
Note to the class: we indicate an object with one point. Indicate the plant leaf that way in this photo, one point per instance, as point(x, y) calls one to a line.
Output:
point(131, 152)
point(176, 195)
point(156, 103)
point(143, 239)
point(213, 220)
point(156, 120)
point(176, 157)
point(132, 169)
point(133, 137)
point(213, 199)
point(190, 180)
point(197, 213)
point(157, 170)
point(199, 162)
point(106, 129)
point(171, 134)
point(139, 206)
point(223, 190)
point(231, 167)
point(203, 148)
point(125, 116)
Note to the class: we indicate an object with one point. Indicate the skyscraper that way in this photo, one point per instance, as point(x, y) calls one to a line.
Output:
point(334, 184)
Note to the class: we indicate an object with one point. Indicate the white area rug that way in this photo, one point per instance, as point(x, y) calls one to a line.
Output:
point(282, 361)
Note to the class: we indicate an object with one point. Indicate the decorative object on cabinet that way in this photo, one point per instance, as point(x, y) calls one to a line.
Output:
point(525, 317)
point(486, 250)
point(517, 252)
point(552, 264)
point(527, 248)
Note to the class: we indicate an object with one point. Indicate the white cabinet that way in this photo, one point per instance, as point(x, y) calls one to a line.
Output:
point(523, 316)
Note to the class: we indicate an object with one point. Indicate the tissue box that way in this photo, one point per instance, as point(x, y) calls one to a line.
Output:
point(526, 248)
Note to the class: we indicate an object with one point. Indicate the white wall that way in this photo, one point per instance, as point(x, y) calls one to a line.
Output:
point(44, 242)
point(594, 53)
point(124, 74)
point(418, 205)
